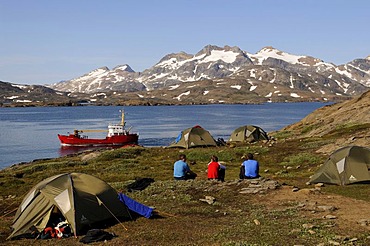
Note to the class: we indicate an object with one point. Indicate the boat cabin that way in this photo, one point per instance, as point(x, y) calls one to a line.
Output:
point(114, 130)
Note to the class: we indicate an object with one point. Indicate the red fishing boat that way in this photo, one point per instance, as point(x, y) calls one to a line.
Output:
point(117, 135)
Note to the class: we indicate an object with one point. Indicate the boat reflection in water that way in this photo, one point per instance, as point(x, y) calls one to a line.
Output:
point(70, 150)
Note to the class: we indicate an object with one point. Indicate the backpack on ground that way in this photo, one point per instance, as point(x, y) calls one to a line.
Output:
point(140, 184)
point(96, 235)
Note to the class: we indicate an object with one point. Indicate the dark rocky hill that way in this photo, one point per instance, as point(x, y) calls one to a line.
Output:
point(35, 95)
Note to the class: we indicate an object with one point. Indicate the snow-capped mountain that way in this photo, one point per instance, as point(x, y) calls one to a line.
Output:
point(121, 78)
point(211, 62)
point(270, 73)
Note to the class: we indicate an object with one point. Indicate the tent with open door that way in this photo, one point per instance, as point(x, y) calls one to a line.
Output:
point(81, 200)
point(344, 166)
point(193, 137)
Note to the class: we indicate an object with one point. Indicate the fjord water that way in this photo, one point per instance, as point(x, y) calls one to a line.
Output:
point(30, 133)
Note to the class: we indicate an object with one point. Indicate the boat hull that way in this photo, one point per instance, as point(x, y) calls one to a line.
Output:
point(117, 140)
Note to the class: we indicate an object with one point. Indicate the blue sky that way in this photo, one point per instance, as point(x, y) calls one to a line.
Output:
point(46, 41)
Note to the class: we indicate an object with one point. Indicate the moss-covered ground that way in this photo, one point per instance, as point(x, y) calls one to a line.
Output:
point(234, 218)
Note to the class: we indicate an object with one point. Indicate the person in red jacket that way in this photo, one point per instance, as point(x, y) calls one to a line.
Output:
point(213, 168)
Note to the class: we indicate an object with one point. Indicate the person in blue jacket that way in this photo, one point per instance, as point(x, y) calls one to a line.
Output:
point(249, 168)
point(181, 170)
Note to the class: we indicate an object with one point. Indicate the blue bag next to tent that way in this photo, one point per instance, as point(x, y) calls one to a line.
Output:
point(136, 206)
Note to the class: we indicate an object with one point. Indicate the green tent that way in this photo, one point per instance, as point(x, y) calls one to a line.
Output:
point(80, 198)
point(193, 137)
point(347, 165)
point(248, 133)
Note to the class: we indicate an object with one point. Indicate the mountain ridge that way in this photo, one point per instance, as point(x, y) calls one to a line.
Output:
point(213, 62)
point(221, 75)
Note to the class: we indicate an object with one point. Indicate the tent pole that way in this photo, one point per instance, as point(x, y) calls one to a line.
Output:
point(112, 214)
point(8, 213)
point(8, 207)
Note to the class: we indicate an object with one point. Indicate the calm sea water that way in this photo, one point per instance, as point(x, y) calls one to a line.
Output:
point(31, 133)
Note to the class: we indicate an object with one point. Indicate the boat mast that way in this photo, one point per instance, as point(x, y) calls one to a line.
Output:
point(122, 117)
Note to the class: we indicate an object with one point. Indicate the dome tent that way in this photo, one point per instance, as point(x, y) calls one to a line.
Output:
point(193, 137)
point(81, 199)
point(344, 166)
point(248, 133)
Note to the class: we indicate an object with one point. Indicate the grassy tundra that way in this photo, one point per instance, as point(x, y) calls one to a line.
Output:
point(289, 214)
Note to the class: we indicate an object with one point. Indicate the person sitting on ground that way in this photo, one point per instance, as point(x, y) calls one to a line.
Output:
point(249, 168)
point(213, 168)
point(221, 172)
point(181, 170)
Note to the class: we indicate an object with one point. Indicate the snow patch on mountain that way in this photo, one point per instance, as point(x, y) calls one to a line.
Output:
point(11, 97)
point(226, 56)
point(174, 63)
point(342, 85)
point(253, 87)
point(19, 86)
point(125, 68)
point(238, 87)
point(268, 52)
point(343, 72)
point(95, 75)
point(23, 101)
point(291, 82)
point(359, 69)
point(191, 86)
point(252, 73)
point(182, 94)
